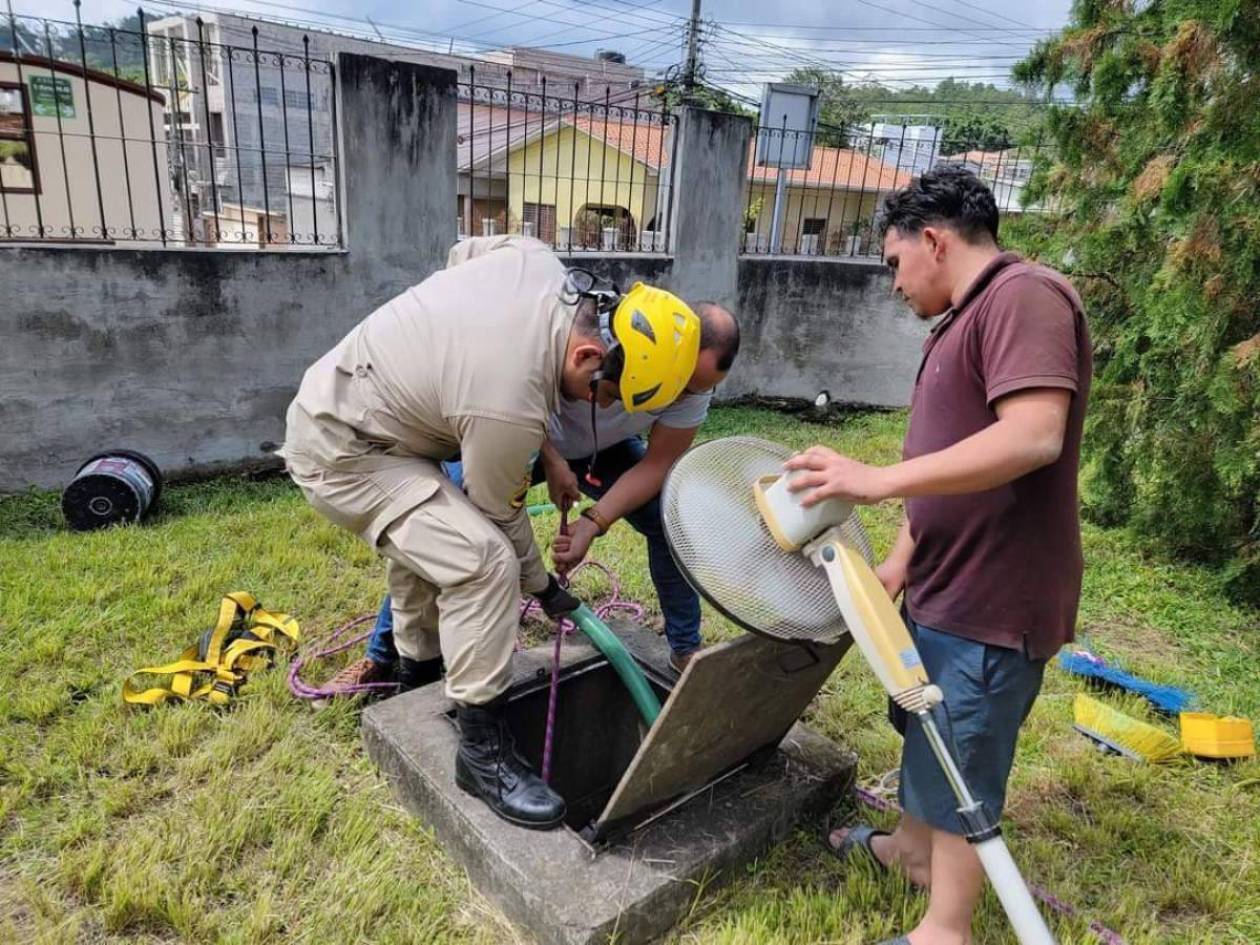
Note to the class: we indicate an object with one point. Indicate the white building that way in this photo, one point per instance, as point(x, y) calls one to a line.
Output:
point(910, 148)
point(246, 131)
point(77, 160)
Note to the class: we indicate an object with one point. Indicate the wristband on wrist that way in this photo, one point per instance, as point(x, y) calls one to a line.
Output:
point(601, 523)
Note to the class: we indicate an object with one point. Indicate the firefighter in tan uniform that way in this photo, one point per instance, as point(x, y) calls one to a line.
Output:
point(473, 361)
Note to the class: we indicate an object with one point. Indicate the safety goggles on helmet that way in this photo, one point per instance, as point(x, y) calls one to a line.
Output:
point(651, 335)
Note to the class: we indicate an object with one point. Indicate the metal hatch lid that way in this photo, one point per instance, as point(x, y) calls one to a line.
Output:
point(732, 700)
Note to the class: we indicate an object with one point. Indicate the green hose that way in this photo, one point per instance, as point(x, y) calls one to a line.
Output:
point(541, 509)
point(607, 643)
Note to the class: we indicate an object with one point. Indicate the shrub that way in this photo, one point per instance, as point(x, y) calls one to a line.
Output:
point(1157, 177)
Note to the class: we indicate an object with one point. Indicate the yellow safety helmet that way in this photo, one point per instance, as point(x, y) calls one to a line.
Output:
point(653, 340)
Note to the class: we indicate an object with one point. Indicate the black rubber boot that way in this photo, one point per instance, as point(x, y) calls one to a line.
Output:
point(412, 674)
point(488, 766)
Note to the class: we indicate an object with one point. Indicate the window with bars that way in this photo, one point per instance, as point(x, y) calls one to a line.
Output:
point(18, 171)
point(540, 218)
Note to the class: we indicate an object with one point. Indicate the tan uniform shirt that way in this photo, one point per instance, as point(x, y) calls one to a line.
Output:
point(468, 360)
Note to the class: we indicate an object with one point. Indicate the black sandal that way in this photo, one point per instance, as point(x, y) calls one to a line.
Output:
point(858, 837)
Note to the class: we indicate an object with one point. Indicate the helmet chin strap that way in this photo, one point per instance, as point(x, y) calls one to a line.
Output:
point(596, 377)
point(583, 284)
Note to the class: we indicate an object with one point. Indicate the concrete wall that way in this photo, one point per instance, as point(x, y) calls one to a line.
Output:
point(808, 325)
point(707, 222)
point(192, 356)
point(824, 324)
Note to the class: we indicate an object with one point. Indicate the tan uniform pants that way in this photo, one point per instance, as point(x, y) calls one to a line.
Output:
point(453, 576)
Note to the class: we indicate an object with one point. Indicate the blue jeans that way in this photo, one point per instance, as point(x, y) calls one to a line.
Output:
point(679, 603)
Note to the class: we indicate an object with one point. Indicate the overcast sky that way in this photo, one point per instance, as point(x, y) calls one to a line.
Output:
point(746, 42)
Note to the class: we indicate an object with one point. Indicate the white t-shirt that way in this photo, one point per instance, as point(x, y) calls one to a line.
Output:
point(570, 431)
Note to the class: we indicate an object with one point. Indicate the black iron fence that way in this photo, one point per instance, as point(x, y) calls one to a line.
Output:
point(582, 175)
point(163, 136)
point(818, 194)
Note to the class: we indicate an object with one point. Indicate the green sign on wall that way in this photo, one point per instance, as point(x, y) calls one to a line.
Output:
point(48, 94)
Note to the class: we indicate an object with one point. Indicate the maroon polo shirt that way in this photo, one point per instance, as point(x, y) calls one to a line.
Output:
point(1002, 566)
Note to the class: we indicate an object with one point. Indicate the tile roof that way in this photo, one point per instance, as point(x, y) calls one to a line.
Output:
point(645, 141)
point(835, 168)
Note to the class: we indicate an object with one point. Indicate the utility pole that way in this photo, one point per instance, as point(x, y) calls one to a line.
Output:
point(693, 48)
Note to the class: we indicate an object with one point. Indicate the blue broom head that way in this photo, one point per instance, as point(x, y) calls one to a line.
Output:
point(1167, 699)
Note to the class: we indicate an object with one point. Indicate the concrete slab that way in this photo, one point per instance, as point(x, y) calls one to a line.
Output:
point(554, 885)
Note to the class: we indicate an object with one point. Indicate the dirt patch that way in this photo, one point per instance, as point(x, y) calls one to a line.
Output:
point(834, 412)
point(1128, 635)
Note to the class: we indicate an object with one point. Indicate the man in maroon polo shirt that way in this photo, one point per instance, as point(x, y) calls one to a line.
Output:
point(989, 555)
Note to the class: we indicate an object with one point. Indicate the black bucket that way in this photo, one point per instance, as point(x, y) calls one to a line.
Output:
point(112, 487)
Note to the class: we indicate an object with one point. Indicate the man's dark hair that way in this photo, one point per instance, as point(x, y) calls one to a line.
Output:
point(948, 195)
point(719, 331)
point(586, 321)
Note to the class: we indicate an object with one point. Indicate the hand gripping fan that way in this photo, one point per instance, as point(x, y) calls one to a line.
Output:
point(783, 571)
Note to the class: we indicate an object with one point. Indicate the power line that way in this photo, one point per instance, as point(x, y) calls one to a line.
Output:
point(569, 23)
point(439, 40)
point(990, 12)
point(917, 19)
point(488, 16)
point(882, 29)
point(783, 58)
point(959, 57)
point(959, 16)
point(885, 43)
point(793, 53)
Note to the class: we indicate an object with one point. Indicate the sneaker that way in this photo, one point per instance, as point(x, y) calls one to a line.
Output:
point(678, 661)
point(360, 673)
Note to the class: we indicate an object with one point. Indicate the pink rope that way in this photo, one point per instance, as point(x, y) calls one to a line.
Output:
point(612, 604)
point(339, 640)
point(552, 698)
point(553, 691)
point(1053, 902)
point(344, 637)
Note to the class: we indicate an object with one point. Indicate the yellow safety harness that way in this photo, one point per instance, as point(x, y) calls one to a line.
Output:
point(214, 667)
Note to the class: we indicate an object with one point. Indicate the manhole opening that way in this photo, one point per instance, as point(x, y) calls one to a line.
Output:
point(597, 732)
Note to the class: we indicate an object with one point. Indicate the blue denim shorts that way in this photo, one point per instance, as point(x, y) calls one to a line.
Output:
point(989, 691)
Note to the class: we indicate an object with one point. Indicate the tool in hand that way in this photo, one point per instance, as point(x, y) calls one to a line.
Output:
point(790, 573)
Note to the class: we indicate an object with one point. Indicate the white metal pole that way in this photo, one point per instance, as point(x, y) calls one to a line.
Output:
point(776, 221)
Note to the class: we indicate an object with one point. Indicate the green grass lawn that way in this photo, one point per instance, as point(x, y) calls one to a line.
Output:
point(265, 823)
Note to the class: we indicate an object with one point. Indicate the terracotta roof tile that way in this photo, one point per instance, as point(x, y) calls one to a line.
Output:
point(645, 141)
point(838, 168)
